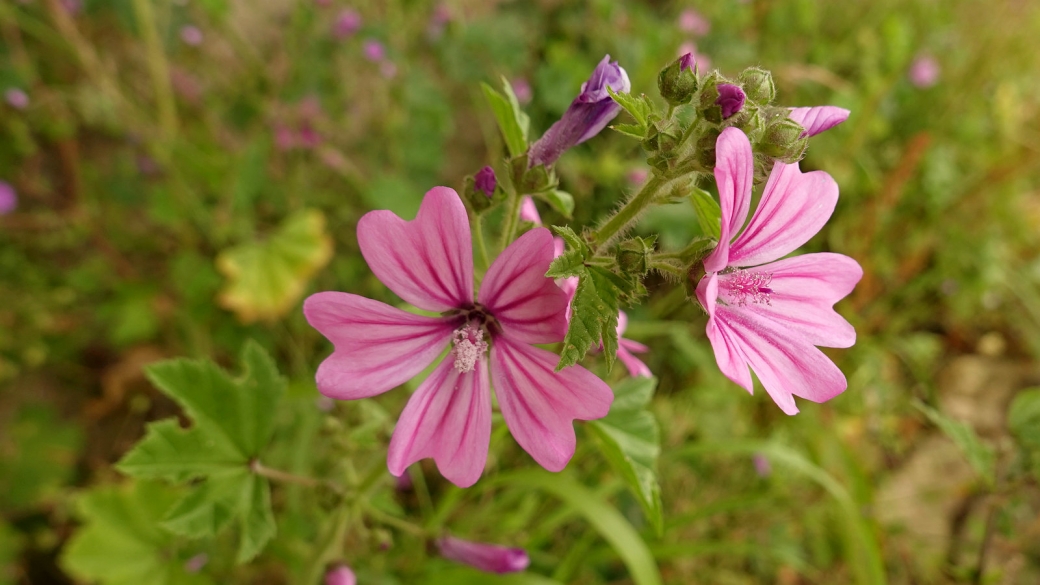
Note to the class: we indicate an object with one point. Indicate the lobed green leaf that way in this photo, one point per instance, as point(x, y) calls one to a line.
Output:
point(630, 439)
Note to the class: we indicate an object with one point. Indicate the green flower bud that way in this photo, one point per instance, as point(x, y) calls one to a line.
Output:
point(758, 85)
point(705, 153)
point(784, 140)
point(678, 81)
point(633, 256)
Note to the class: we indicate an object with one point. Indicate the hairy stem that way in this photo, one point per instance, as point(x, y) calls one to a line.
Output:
point(283, 476)
point(629, 212)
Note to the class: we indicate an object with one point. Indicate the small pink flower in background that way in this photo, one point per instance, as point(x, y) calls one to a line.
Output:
point(486, 557)
point(818, 118)
point(762, 465)
point(8, 198)
point(403, 482)
point(701, 61)
point(323, 3)
point(191, 35)
point(347, 23)
point(486, 181)
point(767, 313)
point(731, 99)
point(341, 575)
point(428, 262)
point(528, 211)
point(297, 128)
point(693, 22)
point(637, 176)
point(374, 50)
point(185, 85)
point(626, 349)
point(439, 20)
point(522, 90)
point(924, 71)
point(388, 69)
point(196, 563)
point(16, 98)
point(73, 7)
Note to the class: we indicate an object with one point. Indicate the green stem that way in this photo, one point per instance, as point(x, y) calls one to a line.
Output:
point(331, 541)
point(478, 227)
point(404, 525)
point(157, 67)
point(666, 267)
point(512, 219)
point(630, 212)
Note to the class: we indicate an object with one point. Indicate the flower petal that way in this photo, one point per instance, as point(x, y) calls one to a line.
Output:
point(378, 347)
point(728, 355)
point(526, 303)
point(635, 366)
point(449, 419)
point(734, 175)
point(428, 262)
point(819, 118)
point(540, 405)
point(793, 208)
point(804, 290)
point(786, 363)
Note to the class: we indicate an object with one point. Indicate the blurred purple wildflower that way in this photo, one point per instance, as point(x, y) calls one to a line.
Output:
point(522, 90)
point(693, 22)
point(924, 71)
point(341, 575)
point(196, 563)
point(8, 198)
point(637, 176)
point(762, 465)
point(587, 115)
point(16, 98)
point(438, 22)
point(731, 98)
point(73, 7)
point(347, 23)
point(486, 181)
point(374, 50)
point(486, 557)
point(191, 35)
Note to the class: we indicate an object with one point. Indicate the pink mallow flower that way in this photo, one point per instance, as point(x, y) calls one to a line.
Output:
point(818, 118)
point(626, 348)
point(768, 313)
point(486, 557)
point(528, 211)
point(693, 22)
point(428, 262)
point(347, 23)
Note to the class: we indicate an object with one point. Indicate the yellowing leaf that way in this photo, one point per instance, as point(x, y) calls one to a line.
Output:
point(266, 279)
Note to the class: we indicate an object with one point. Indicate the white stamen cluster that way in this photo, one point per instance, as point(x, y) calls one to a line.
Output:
point(469, 347)
point(743, 286)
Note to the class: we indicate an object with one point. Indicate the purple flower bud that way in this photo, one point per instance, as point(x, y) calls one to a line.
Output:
point(8, 198)
point(528, 211)
point(341, 575)
point(924, 71)
point(687, 62)
point(731, 98)
point(691, 21)
point(587, 115)
point(16, 98)
point(486, 557)
point(191, 35)
point(347, 23)
point(374, 50)
point(486, 181)
point(403, 482)
point(702, 61)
